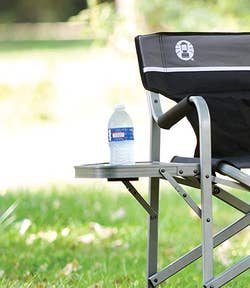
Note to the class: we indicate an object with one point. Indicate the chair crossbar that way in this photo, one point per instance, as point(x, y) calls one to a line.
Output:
point(139, 198)
point(231, 200)
point(196, 253)
point(195, 183)
point(228, 183)
point(181, 192)
point(229, 274)
point(219, 193)
point(188, 181)
point(236, 174)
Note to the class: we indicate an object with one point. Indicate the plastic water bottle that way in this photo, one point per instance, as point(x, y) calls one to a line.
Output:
point(121, 137)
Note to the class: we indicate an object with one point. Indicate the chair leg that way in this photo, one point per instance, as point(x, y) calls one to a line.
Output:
point(153, 230)
point(206, 186)
point(207, 228)
point(154, 183)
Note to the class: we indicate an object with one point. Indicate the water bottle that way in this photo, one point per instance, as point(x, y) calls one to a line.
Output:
point(121, 137)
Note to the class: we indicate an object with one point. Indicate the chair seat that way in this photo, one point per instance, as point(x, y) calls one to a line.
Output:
point(239, 162)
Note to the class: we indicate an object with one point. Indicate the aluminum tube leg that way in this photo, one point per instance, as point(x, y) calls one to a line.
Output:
point(206, 186)
point(153, 230)
point(152, 253)
point(207, 232)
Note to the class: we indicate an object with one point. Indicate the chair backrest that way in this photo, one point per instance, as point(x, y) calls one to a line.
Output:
point(213, 65)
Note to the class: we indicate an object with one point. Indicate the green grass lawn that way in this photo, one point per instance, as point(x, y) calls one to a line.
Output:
point(72, 236)
point(43, 45)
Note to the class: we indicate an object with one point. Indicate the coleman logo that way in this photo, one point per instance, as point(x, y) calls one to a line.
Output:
point(184, 50)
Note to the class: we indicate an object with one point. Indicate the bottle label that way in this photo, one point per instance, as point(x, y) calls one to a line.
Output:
point(121, 134)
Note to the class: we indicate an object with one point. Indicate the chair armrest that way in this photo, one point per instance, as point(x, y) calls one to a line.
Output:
point(175, 114)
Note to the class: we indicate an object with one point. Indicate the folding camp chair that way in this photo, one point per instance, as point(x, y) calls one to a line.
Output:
point(208, 75)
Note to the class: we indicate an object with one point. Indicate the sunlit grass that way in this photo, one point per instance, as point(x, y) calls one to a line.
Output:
point(43, 45)
point(69, 236)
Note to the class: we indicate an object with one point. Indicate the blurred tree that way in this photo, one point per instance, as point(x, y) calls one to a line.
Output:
point(196, 15)
point(99, 18)
point(155, 14)
point(39, 11)
point(126, 26)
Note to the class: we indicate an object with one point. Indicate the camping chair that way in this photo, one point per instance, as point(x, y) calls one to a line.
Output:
point(208, 75)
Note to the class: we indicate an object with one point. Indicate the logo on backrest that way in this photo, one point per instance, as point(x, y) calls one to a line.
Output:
point(184, 50)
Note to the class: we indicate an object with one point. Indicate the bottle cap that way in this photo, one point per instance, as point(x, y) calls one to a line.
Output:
point(119, 107)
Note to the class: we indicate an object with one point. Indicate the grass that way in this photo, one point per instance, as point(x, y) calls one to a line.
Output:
point(72, 236)
point(43, 45)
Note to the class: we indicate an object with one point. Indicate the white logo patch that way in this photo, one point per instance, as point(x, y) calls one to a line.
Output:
point(184, 50)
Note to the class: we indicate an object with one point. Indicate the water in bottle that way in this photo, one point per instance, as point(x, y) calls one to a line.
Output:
point(121, 137)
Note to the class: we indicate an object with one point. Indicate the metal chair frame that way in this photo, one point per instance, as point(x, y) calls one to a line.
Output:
point(209, 187)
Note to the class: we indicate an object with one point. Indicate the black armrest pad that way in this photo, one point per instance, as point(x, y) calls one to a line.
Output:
point(175, 114)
